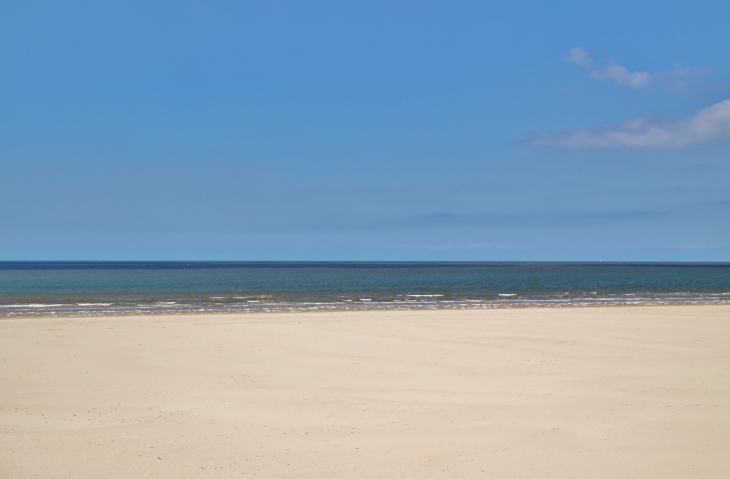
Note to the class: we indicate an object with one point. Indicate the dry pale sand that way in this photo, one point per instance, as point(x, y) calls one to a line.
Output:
point(531, 393)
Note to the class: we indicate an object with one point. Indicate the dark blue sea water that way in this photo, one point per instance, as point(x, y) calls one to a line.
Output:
point(81, 288)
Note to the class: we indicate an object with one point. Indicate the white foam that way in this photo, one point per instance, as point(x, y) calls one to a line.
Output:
point(94, 304)
point(508, 294)
point(365, 299)
point(424, 295)
point(31, 305)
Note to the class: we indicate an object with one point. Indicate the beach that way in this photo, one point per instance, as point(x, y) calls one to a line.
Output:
point(574, 392)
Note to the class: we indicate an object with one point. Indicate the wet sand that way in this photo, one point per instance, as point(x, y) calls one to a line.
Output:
point(639, 392)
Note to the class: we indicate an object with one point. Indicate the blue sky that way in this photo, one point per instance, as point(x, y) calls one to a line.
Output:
point(365, 130)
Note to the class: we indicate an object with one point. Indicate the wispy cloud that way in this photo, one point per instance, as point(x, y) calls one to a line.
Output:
point(622, 76)
point(466, 246)
point(707, 125)
point(619, 74)
point(579, 57)
point(704, 246)
point(620, 215)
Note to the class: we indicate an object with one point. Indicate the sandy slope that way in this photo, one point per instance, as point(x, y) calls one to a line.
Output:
point(530, 393)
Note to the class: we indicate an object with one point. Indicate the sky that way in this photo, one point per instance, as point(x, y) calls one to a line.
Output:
point(394, 130)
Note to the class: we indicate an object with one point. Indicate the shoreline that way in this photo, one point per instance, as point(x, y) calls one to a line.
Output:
point(363, 309)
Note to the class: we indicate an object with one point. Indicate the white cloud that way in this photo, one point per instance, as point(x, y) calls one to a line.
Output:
point(707, 125)
point(618, 73)
point(578, 56)
point(622, 76)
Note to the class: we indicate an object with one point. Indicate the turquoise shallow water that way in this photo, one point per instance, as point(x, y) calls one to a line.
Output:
point(65, 288)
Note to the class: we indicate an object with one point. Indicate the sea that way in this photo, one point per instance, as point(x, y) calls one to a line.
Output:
point(101, 288)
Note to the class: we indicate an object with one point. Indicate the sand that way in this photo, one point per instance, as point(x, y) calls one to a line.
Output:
point(639, 392)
